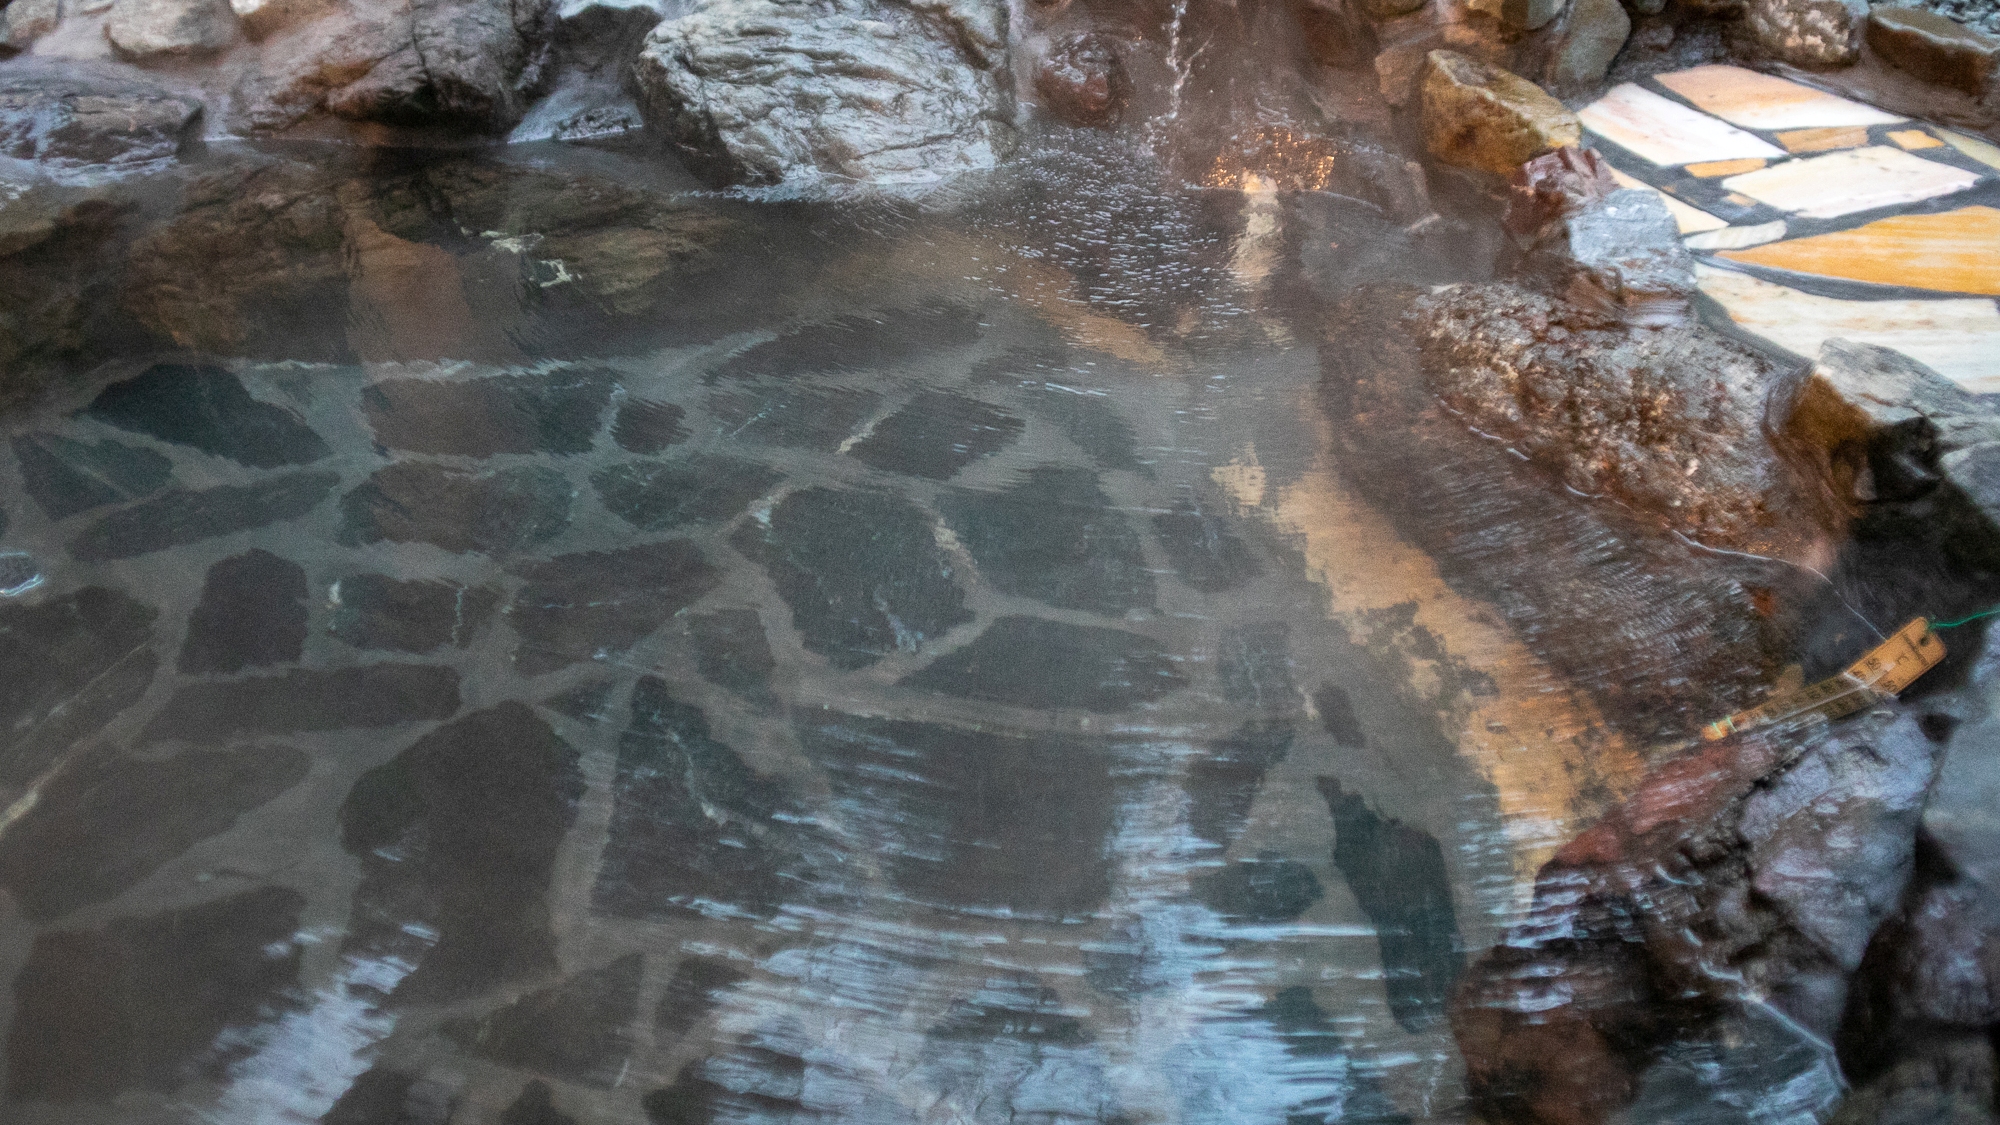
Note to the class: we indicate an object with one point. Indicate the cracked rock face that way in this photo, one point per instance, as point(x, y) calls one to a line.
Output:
point(1818, 34)
point(777, 91)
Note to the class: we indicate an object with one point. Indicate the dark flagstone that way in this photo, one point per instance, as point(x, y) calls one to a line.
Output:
point(732, 652)
point(1222, 784)
point(1012, 1007)
point(65, 476)
point(858, 342)
point(1266, 889)
point(535, 1106)
point(800, 417)
point(648, 427)
point(1054, 537)
point(584, 702)
point(50, 652)
point(457, 838)
point(936, 435)
point(19, 573)
point(658, 495)
point(385, 1096)
point(372, 695)
point(576, 607)
point(1093, 424)
point(1030, 662)
point(577, 1030)
point(252, 612)
point(375, 611)
point(207, 408)
point(179, 516)
point(694, 990)
point(861, 571)
point(144, 1003)
point(1205, 553)
point(494, 512)
point(1336, 714)
point(557, 412)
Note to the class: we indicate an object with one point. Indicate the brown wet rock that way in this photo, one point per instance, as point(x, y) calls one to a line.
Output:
point(577, 1029)
point(52, 652)
point(861, 571)
point(590, 605)
point(1554, 186)
point(1480, 116)
point(1935, 48)
point(65, 476)
point(373, 695)
point(648, 427)
point(251, 264)
point(556, 413)
point(660, 495)
point(1814, 34)
point(497, 512)
point(731, 651)
point(58, 248)
point(1397, 874)
point(209, 409)
point(936, 435)
point(109, 820)
point(1337, 32)
point(374, 611)
point(146, 1003)
point(1670, 423)
point(457, 838)
point(1056, 537)
point(693, 991)
point(692, 824)
point(1033, 839)
point(1222, 783)
point(74, 112)
point(1080, 78)
point(1049, 665)
point(252, 612)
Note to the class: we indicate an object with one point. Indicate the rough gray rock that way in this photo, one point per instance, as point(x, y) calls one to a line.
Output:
point(155, 30)
point(771, 91)
point(1816, 34)
point(1622, 255)
point(72, 113)
point(24, 21)
point(1934, 48)
point(1592, 34)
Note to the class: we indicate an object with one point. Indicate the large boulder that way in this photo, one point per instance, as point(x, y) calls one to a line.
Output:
point(148, 30)
point(456, 64)
point(1816, 34)
point(1480, 116)
point(1935, 48)
point(73, 113)
point(24, 21)
point(872, 91)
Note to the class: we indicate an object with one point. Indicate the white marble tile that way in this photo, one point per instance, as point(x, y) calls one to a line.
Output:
point(1736, 238)
point(1690, 219)
point(1763, 101)
point(1858, 179)
point(1958, 337)
point(1666, 132)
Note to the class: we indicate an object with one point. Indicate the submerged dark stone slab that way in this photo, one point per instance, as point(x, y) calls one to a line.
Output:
point(179, 516)
point(108, 821)
point(692, 822)
point(974, 818)
point(1222, 784)
point(936, 435)
point(1254, 663)
point(584, 702)
point(52, 651)
point(535, 1106)
point(375, 611)
point(1336, 714)
point(1016, 1007)
point(575, 607)
point(373, 695)
point(1205, 553)
point(1309, 1031)
point(1093, 424)
point(643, 426)
point(578, 1029)
point(732, 652)
point(1054, 537)
point(557, 412)
point(858, 342)
point(19, 572)
point(252, 612)
point(1269, 888)
point(658, 495)
point(1397, 874)
point(208, 408)
point(861, 571)
point(383, 1095)
point(493, 512)
point(65, 476)
point(457, 836)
point(802, 417)
point(1029, 662)
point(144, 1003)
point(693, 991)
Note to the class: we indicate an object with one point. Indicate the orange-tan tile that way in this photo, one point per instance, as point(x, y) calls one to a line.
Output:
point(1955, 252)
point(1910, 140)
point(1850, 181)
point(1762, 101)
point(1824, 140)
point(1690, 220)
point(1711, 169)
point(1665, 132)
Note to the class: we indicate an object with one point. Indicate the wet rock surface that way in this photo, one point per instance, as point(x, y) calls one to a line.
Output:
point(479, 418)
point(1934, 47)
point(1030, 662)
point(252, 613)
point(79, 114)
point(65, 476)
point(374, 611)
point(494, 512)
point(1480, 116)
point(207, 408)
point(1055, 537)
point(576, 607)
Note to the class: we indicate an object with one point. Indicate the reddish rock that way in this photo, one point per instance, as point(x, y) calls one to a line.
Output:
point(1935, 48)
point(1080, 79)
point(1555, 185)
